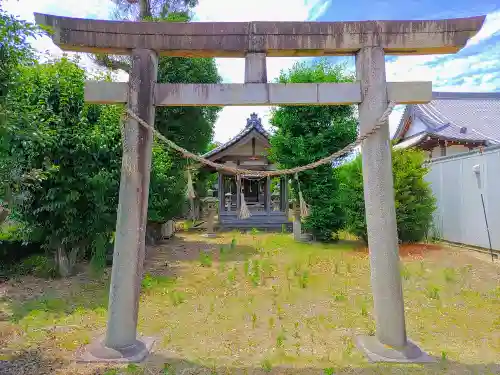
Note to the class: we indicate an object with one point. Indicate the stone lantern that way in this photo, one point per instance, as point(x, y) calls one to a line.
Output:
point(227, 201)
point(275, 201)
point(211, 205)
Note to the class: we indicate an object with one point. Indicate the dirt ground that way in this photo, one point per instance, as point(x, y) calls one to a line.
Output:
point(258, 304)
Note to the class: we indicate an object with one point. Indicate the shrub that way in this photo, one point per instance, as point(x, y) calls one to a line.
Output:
point(13, 247)
point(63, 160)
point(36, 265)
point(413, 196)
point(304, 134)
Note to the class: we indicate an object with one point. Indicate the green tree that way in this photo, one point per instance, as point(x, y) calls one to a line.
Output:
point(189, 127)
point(413, 196)
point(152, 9)
point(145, 10)
point(63, 162)
point(167, 182)
point(305, 134)
point(15, 51)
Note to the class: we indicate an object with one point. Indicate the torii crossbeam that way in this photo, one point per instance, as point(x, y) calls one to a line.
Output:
point(369, 41)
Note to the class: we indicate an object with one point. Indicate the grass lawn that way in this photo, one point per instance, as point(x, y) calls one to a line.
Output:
point(258, 304)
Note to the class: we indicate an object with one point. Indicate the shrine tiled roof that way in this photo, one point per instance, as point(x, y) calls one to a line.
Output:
point(468, 117)
point(253, 123)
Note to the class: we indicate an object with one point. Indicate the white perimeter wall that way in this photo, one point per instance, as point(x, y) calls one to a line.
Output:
point(459, 216)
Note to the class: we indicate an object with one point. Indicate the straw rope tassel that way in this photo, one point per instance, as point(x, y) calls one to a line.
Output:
point(304, 209)
point(244, 212)
point(190, 194)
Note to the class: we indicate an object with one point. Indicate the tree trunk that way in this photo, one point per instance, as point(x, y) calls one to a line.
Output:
point(62, 262)
point(4, 212)
point(66, 264)
point(145, 10)
point(153, 233)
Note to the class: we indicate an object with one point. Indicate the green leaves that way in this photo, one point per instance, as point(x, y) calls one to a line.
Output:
point(413, 197)
point(14, 50)
point(60, 159)
point(189, 127)
point(63, 167)
point(168, 185)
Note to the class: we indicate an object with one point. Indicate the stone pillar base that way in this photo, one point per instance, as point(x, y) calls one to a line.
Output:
point(305, 237)
point(375, 351)
point(98, 353)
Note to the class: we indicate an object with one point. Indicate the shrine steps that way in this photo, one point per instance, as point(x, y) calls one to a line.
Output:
point(259, 222)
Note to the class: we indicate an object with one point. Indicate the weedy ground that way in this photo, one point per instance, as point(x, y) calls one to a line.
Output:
point(257, 304)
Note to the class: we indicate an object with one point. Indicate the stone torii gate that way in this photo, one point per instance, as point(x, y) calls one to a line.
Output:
point(369, 41)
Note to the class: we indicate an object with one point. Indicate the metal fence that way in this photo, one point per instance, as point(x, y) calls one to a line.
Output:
point(454, 181)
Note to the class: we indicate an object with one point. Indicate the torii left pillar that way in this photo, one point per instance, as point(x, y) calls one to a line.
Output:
point(121, 343)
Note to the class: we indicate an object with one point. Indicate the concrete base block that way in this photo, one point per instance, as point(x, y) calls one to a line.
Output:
point(375, 351)
point(306, 237)
point(98, 353)
point(209, 235)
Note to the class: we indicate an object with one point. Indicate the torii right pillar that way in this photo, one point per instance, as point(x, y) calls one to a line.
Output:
point(390, 343)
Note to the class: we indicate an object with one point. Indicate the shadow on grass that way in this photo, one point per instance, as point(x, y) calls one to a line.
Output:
point(166, 258)
point(164, 263)
point(90, 296)
point(30, 362)
point(38, 362)
point(160, 364)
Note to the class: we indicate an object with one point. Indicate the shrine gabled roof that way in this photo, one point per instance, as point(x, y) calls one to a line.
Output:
point(253, 123)
point(456, 116)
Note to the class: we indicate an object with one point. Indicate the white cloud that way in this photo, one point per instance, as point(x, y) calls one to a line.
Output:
point(452, 72)
point(233, 119)
point(25, 10)
point(490, 27)
point(69, 8)
point(258, 10)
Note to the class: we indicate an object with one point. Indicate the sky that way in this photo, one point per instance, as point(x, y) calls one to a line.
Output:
point(475, 68)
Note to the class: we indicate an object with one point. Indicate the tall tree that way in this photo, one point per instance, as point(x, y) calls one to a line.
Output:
point(15, 52)
point(145, 10)
point(189, 127)
point(306, 134)
point(151, 9)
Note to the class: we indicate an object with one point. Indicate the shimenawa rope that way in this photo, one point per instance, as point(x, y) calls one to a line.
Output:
point(238, 171)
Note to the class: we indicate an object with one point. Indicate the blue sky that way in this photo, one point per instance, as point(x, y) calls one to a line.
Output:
point(474, 68)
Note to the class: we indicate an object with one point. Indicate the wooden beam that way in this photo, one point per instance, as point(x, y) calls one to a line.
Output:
point(220, 191)
point(243, 158)
point(268, 195)
point(236, 39)
point(257, 94)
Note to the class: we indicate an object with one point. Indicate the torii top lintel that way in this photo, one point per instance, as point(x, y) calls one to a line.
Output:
point(236, 39)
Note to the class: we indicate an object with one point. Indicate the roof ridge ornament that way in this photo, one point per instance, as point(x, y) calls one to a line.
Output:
point(254, 120)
